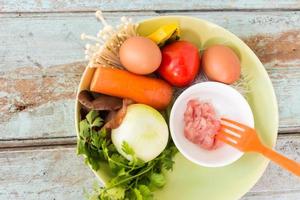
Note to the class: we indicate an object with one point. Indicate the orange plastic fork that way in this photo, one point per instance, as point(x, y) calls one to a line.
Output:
point(245, 139)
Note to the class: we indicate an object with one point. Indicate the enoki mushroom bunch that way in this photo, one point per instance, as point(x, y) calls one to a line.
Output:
point(105, 50)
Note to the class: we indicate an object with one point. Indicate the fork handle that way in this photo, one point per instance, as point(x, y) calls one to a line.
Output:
point(281, 160)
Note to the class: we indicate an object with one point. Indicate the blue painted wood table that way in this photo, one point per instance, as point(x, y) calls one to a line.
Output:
point(41, 64)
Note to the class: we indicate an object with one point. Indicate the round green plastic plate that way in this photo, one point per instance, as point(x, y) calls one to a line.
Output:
point(189, 181)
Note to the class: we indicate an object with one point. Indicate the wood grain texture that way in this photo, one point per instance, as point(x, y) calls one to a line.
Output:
point(36, 143)
point(39, 75)
point(43, 174)
point(41, 64)
point(57, 173)
point(34, 99)
point(141, 5)
point(281, 56)
point(44, 40)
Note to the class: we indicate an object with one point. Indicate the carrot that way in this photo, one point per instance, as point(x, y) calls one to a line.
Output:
point(141, 89)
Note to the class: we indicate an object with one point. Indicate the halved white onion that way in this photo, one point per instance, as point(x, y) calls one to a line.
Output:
point(144, 129)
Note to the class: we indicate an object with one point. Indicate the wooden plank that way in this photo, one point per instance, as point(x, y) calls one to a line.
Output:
point(43, 174)
point(37, 87)
point(37, 142)
point(57, 173)
point(43, 40)
point(141, 5)
point(35, 99)
point(276, 195)
point(281, 57)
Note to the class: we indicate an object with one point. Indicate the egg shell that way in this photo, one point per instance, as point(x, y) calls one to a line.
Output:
point(221, 64)
point(140, 55)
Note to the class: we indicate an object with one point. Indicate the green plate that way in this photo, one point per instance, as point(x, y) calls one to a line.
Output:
point(192, 182)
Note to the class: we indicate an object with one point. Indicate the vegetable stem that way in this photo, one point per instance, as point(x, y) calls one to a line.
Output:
point(132, 177)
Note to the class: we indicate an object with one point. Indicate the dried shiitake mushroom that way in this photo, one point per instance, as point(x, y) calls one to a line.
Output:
point(100, 102)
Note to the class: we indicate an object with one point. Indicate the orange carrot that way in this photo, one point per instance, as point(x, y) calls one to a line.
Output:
point(120, 83)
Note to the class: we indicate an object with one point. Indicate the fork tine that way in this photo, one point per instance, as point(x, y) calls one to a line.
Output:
point(225, 139)
point(229, 135)
point(235, 130)
point(235, 123)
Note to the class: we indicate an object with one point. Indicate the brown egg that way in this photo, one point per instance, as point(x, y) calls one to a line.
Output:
point(140, 55)
point(220, 63)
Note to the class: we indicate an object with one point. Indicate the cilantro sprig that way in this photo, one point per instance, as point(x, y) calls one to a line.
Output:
point(132, 180)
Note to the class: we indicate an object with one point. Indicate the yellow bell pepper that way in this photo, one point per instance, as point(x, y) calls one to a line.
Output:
point(164, 33)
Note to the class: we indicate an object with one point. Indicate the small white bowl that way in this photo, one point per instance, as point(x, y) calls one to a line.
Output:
point(228, 103)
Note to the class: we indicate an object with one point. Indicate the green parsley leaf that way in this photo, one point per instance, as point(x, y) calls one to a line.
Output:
point(138, 194)
point(91, 116)
point(112, 148)
point(122, 172)
point(93, 162)
point(157, 180)
point(116, 193)
point(105, 149)
point(167, 164)
point(103, 133)
point(81, 149)
point(84, 129)
point(167, 157)
point(145, 192)
point(116, 163)
point(117, 158)
point(97, 122)
point(130, 195)
point(127, 149)
point(96, 139)
point(122, 180)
